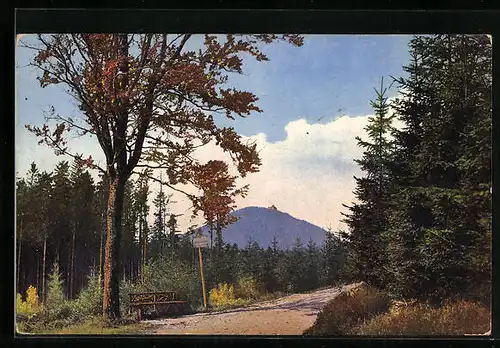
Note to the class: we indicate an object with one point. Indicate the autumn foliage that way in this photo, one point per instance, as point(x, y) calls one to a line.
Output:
point(150, 102)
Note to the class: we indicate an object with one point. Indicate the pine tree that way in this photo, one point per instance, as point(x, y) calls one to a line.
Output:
point(367, 219)
point(173, 238)
point(333, 258)
point(312, 267)
point(55, 295)
point(158, 238)
point(442, 202)
point(62, 225)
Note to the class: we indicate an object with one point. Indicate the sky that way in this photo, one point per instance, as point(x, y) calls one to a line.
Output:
point(315, 101)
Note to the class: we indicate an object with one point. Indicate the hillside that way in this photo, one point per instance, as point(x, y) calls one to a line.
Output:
point(261, 224)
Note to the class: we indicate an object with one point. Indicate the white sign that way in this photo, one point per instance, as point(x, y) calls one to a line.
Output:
point(200, 242)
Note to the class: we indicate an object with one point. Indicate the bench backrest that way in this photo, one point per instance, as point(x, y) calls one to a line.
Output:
point(162, 296)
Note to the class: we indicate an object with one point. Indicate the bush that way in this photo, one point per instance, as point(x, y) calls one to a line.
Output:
point(248, 288)
point(55, 294)
point(89, 301)
point(223, 297)
point(166, 274)
point(28, 309)
point(457, 318)
point(349, 309)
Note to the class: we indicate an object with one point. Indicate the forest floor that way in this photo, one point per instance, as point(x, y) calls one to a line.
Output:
point(289, 315)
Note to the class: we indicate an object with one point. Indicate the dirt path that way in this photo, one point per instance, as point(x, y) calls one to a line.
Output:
point(289, 315)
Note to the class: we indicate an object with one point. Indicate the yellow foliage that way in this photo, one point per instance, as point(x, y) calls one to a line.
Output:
point(30, 306)
point(222, 295)
point(32, 297)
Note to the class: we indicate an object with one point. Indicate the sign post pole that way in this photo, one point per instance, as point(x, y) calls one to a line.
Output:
point(201, 242)
point(202, 279)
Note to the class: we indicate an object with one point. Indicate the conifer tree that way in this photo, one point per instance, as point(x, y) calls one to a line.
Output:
point(442, 202)
point(367, 218)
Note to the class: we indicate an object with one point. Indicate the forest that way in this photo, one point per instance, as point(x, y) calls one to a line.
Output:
point(418, 228)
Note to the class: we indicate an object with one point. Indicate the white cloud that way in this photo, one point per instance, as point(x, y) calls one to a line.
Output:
point(308, 175)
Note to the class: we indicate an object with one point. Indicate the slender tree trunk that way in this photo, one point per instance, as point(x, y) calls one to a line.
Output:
point(111, 298)
point(141, 249)
point(44, 268)
point(38, 275)
point(19, 255)
point(100, 252)
point(72, 267)
point(144, 243)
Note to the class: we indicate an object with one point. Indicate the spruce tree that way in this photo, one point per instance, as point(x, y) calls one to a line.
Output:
point(367, 218)
point(440, 231)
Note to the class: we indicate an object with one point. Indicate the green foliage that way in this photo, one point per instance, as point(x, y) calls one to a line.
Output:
point(168, 274)
point(89, 301)
point(438, 237)
point(369, 218)
point(348, 309)
point(55, 293)
point(248, 288)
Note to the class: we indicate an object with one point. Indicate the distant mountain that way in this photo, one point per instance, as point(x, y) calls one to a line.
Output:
point(261, 224)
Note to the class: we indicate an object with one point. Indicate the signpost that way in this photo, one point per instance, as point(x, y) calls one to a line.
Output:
point(201, 242)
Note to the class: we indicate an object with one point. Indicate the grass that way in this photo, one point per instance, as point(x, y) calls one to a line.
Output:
point(96, 327)
point(349, 309)
point(451, 319)
point(368, 311)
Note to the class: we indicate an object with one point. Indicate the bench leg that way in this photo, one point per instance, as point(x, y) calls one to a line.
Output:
point(139, 314)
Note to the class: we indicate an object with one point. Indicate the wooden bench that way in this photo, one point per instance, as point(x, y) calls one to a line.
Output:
point(165, 300)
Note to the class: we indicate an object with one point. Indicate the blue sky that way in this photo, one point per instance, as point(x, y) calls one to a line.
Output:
point(309, 87)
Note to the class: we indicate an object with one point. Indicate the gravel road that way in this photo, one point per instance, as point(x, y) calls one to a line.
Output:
point(289, 315)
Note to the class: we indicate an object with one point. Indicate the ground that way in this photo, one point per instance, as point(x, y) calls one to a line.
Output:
point(289, 315)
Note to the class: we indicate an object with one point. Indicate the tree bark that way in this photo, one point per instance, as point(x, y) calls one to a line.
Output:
point(139, 264)
point(38, 275)
point(19, 255)
point(144, 243)
point(100, 252)
point(111, 299)
point(44, 268)
point(72, 267)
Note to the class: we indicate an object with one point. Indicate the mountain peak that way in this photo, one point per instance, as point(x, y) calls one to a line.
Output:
point(262, 225)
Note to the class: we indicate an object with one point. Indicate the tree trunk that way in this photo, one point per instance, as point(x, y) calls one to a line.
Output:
point(19, 255)
point(100, 252)
point(72, 267)
point(38, 275)
point(144, 243)
point(44, 268)
point(111, 299)
point(139, 264)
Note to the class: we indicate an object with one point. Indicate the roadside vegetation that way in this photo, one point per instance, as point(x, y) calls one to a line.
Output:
point(420, 231)
point(367, 311)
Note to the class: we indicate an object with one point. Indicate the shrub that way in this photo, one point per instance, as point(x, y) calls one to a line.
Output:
point(166, 274)
point(248, 288)
point(55, 294)
point(348, 309)
point(223, 294)
point(27, 310)
point(223, 297)
point(457, 318)
point(89, 301)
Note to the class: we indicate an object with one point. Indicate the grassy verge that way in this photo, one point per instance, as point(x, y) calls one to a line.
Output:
point(368, 311)
point(349, 309)
point(452, 319)
point(96, 327)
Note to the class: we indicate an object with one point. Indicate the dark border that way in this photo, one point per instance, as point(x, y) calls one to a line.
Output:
point(256, 21)
point(220, 21)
